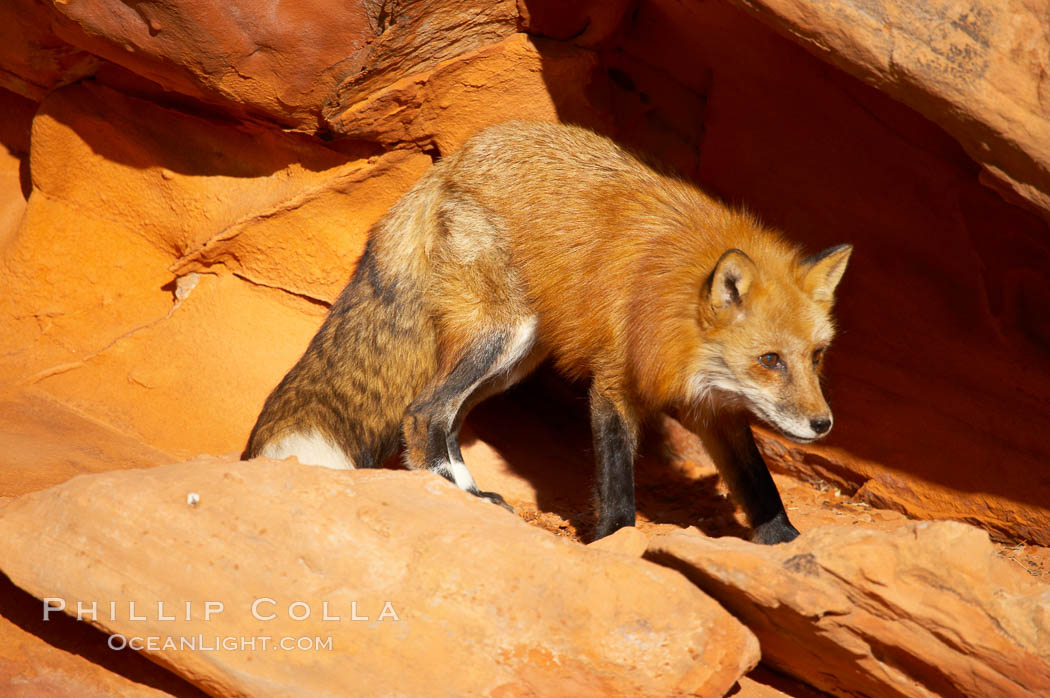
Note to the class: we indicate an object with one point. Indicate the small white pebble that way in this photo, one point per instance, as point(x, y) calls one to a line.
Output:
point(193, 499)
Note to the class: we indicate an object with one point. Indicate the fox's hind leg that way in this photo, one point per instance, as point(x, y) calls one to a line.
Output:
point(431, 424)
point(486, 334)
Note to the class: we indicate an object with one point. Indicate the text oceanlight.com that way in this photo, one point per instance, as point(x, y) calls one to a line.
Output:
point(211, 643)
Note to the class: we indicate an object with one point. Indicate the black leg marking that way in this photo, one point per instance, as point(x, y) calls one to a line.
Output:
point(731, 445)
point(452, 444)
point(496, 499)
point(432, 421)
point(614, 443)
point(430, 416)
point(776, 530)
point(482, 391)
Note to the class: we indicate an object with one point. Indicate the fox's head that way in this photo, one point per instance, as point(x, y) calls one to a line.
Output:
point(767, 329)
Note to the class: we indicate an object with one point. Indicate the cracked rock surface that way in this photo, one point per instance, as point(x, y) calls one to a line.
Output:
point(929, 609)
point(177, 158)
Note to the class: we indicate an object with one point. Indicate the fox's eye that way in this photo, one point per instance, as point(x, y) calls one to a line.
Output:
point(771, 360)
point(817, 356)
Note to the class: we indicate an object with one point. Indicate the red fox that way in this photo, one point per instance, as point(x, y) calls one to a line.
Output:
point(540, 240)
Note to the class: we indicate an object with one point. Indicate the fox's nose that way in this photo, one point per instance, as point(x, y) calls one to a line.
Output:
point(821, 425)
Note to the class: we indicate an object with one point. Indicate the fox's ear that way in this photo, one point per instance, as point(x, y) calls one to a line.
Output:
point(731, 280)
point(823, 271)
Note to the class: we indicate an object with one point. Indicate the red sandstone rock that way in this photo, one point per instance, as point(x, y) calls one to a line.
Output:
point(203, 192)
point(280, 62)
point(627, 541)
point(33, 61)
point(929, 609)
point(179, 245)
point(43, 443)
point(749, 687)
point(55, 665)
point(514, 610)
point(584, 22)
point(252, 59)
point(518, 78)
point(980, 69)
point(14, 152)
point(413, 38)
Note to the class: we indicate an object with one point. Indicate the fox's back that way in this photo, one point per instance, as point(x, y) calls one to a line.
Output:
point(593, 231)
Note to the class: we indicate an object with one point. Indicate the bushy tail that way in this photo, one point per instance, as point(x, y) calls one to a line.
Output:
point(373, 354)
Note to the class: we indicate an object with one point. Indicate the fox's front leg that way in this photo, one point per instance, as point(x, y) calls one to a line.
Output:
point(615, 433)
point(728, 440)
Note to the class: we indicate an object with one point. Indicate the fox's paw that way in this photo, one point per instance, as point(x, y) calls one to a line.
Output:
point(496, 499)
point(776, 530)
